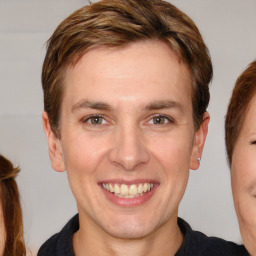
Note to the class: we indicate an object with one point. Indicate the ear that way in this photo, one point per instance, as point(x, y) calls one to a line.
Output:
point(54, 145)
point(199, 141)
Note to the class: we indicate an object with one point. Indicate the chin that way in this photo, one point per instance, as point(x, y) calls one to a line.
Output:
point(129, 232)
point(130, 229)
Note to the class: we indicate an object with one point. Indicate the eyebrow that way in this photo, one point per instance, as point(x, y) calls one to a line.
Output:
point(164, 104)
point(91, 104)
point(155, 105)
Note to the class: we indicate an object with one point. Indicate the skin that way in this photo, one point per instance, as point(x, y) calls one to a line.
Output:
point(137, 86)
point(243, 177)
point(2, 229)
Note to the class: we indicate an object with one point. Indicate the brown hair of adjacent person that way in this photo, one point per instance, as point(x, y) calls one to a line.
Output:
point(244, 91)
point(116, 24)
point(12, 214)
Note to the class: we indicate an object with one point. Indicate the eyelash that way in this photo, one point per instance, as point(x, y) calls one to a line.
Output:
point(169, 119)
point(87, 119)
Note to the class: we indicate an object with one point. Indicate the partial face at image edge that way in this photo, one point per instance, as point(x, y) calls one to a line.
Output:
point(243, 177)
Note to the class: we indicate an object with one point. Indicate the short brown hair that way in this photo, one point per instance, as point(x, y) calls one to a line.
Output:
point(244, 90)
point(12, 214)
point(117, 23)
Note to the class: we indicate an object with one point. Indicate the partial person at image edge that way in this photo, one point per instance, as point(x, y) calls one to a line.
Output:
point(11, 224)
point(240, 128)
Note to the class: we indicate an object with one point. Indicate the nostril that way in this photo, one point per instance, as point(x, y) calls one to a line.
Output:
point(128, 149)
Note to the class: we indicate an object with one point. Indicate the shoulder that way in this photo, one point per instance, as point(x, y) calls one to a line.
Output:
point(60, 244)
point(197, 243)
point(49, 247)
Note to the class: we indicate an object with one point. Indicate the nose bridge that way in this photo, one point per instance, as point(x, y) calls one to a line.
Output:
point(129, 149)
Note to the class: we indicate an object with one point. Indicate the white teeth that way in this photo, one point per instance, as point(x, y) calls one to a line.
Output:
point(126, 191)
point(116, 189)
point(140, 189)
point(145, 187)
point(133, 190)
point(111, 188)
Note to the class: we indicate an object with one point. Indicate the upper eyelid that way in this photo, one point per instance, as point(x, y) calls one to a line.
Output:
point(86, 118)
point(169, 118)
point(163, 115)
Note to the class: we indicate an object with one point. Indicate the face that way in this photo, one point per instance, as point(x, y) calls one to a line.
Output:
point(127, 138)
point(243, 176)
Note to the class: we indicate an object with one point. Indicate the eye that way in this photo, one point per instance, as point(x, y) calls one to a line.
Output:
point(95, 120)
point(160, 120)
point(253, 142)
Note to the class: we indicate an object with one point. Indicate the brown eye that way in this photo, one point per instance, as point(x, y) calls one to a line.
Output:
point(96, 120)
point(160, 120)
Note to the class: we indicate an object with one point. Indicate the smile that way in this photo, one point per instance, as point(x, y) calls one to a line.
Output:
point(128, 191)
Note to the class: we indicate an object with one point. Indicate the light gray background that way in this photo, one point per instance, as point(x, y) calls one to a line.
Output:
point(228, 27)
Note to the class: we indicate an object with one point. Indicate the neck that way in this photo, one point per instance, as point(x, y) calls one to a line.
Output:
point(166, 240)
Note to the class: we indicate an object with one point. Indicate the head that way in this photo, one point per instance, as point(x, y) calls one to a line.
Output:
point(125, 92)
point(116, 24)
point(241, 148)
point(13, 242)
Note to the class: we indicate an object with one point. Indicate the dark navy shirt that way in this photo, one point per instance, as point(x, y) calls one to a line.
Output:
point(194, 244)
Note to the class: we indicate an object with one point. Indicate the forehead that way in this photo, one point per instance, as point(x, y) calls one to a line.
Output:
point(139, 68)
point(250, 116)
point(247, 129)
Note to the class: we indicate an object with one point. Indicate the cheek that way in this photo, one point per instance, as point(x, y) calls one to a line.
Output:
point(83, 153)
point(243, 171)
point(243, 178)
point(172, 150)
point(173, 155)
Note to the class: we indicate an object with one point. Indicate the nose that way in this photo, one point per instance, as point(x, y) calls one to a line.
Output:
point(129, 149)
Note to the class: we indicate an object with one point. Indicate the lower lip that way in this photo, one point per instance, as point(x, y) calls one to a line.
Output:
point(129, 202)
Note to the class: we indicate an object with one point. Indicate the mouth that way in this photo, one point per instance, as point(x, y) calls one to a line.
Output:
point(128, 191)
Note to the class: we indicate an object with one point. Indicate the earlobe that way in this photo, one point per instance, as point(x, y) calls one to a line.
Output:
point(54, 145)
point(199, 140)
